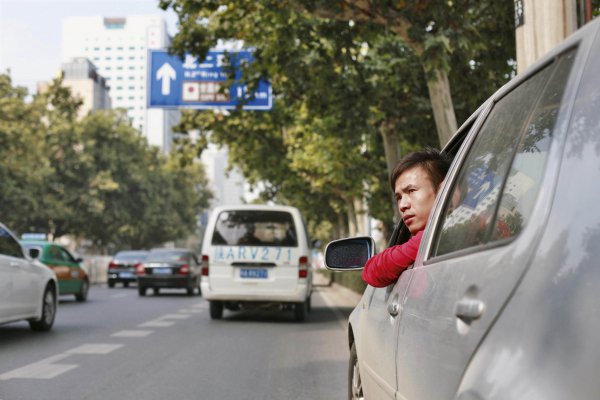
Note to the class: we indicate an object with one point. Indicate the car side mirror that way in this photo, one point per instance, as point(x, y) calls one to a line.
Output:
point(350, 254)
point(34, 253)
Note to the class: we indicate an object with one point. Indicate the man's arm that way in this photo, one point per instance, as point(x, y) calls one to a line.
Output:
point(384, 268)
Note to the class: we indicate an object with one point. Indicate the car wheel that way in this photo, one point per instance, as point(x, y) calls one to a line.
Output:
point(48, 312)
point(300, 311)
point(216, 309)
point(141, 290)
point(111, 284)
point(355, 391)
point(156, 291)
point(125, 284)
point(83, 293)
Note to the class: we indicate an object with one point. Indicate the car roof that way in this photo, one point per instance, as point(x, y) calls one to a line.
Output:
point(38, 242)
point(171, 250)
point(257, 207)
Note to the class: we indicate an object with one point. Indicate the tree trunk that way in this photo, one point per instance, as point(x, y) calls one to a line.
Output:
point(360, 211)
point(441, 104)
point(352, 224)
point(391, 147)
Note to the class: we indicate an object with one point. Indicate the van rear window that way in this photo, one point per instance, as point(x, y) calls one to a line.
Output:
point(255, 228)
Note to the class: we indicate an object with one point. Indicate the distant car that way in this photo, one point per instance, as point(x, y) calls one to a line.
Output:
point(123, 267)
point(169, 268)
point(28, 288)
point(72, 278)
point(257, 256)
point(502, 300)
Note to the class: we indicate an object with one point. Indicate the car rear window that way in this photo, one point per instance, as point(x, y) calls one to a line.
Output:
point(255, 228)
point(167, 256)
point(131, 255)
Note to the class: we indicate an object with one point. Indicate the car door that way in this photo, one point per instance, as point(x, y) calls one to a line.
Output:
point(19, 278)
point(74, 273)
point(6, 300)
point(53, 258)
point(378, 329)
point(476, 246)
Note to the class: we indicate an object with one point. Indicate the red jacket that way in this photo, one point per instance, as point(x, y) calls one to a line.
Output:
point(384, 268)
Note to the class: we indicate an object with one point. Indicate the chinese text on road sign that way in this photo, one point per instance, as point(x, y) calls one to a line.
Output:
point(189, 83)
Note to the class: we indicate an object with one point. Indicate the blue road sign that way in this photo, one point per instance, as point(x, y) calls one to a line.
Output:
point(174, 83)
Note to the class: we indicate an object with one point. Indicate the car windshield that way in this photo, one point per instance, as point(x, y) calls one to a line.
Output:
point(255, 228)
point(167, 256)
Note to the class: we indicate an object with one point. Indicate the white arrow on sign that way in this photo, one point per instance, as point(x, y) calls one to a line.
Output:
point(166, 73)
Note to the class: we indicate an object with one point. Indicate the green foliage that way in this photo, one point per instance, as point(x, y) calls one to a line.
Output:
point(338, 89)
point(93, 178)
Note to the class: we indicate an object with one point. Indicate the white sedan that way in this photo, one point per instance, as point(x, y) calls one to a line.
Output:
point(28, 289)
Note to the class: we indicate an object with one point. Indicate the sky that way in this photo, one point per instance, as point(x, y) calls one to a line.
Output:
point(31, 32)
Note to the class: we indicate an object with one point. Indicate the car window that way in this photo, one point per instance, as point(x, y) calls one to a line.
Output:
point(54, 253)
point(8, 245)
point(65, 255)
point(498, 182)
point(167, 256)
point(255, 228)
point(131, 255)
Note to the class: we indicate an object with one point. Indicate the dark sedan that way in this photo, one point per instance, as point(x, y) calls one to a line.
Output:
point(122, 268)
point(169, 268)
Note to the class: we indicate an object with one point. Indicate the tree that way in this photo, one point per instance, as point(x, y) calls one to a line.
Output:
point(94, 178)
point(324, 74)
point(435, 31)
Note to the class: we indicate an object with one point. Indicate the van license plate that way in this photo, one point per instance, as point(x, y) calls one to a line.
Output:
point(254, 273)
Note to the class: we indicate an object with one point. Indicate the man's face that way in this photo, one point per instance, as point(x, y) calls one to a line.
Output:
point(415, 195)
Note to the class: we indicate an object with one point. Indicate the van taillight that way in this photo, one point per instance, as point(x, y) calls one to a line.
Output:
point(303, 267)
point(140, 269)
point(204, 265)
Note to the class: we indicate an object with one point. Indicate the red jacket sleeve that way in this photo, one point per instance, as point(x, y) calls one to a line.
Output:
point(384, 268)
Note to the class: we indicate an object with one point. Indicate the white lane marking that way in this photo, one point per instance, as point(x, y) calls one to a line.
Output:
point(340, 317)
point(116, 296)
point(43, 369)
point(174, 316)
point(156, 323)
point(132, 333)
point(95, 348)
point(200, 305)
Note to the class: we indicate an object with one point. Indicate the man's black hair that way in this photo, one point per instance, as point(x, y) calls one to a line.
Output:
point(433, 162)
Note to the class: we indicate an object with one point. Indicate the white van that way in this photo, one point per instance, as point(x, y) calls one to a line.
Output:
point(256, 256)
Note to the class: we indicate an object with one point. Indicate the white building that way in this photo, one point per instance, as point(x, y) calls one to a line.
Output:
point(227, 187)
point(81, 76)
point(119, 49)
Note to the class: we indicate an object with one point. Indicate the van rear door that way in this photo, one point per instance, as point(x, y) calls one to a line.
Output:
point(254, 251)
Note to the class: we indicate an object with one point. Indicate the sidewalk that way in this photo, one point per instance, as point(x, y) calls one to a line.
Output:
point(339, 296)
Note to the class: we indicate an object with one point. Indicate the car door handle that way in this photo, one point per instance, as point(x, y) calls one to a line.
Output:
point(393, 308)
point(469, 309)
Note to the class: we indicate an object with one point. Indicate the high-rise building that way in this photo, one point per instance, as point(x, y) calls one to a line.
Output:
point(81, 76)
point(119, 49)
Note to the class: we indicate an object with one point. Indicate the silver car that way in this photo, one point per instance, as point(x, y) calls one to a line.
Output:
point(28, 288)
point(502, 301)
